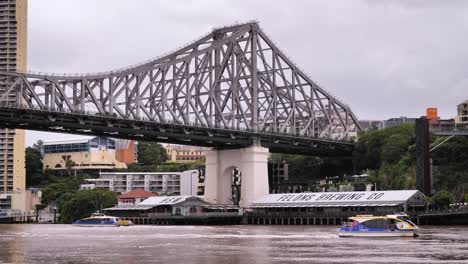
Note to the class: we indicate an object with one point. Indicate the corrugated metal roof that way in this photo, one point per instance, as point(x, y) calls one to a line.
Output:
point(336, 199)
point(129, 207)
point(164, 200)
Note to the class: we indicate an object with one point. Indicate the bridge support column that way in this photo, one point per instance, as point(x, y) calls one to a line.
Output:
point(423, 164)
point(253, 165)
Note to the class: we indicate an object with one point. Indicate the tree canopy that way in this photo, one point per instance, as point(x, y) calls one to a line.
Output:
point(33, 166)
point(389, 156)
point(83, 203)
point(151, 153)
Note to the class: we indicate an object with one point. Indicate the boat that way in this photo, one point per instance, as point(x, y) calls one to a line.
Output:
point(398, 225)
point(98, 219)
point(123, 222)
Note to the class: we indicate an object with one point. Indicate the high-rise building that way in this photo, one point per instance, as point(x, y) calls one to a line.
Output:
point(13, 57)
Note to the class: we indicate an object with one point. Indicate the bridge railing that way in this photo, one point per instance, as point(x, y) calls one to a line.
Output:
point(450, 129)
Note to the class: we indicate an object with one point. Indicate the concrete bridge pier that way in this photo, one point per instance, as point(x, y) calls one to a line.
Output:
point(253, 165)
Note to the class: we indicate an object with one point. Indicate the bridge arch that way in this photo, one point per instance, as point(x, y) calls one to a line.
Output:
point(195, 95)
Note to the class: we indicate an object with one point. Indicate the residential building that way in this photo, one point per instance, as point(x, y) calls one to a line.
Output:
point(82, 154)
point(462, 113)
point(13, 57)
point(23, 201)
point(26, 200)
point(184, 154)
point(12, 161)
point(162, 183)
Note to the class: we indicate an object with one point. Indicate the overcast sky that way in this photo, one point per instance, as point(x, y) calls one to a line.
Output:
point(383, 58)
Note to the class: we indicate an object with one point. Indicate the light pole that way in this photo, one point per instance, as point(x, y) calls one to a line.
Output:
point(191, 181)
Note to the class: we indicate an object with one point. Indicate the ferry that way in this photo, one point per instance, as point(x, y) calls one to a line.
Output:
point(397, 225)
point(99, 219)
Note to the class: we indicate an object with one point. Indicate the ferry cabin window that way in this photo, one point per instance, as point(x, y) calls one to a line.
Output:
point(377, 223)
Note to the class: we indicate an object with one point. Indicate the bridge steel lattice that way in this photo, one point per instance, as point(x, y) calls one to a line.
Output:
point(229, 89)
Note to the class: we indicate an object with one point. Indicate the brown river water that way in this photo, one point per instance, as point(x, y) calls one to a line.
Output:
point(223, 245)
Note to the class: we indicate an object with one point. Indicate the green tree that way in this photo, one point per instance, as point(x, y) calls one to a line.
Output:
point(54, 187)
point(390, 155)
point(450, 166)
point(38, 145)
point(151, 153)
point(442, 199)
point(165, 167)
point(83, 203)
point(33, 167)
point(303, 169)
point(69, 164)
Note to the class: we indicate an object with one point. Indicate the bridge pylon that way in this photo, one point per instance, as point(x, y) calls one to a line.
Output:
point(236, 175)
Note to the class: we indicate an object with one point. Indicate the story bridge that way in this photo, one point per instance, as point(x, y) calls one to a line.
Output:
point(224, 90)
point(230, 90)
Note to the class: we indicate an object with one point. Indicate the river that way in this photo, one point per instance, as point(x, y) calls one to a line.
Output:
point(223, 245)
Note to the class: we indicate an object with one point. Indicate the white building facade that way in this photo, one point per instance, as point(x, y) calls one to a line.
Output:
point(162, 183)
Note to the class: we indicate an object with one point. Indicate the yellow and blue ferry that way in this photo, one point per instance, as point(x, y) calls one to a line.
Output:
point(397, 225)
point(100, 219)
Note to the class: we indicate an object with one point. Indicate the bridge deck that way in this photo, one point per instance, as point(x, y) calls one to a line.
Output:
point(219, 138)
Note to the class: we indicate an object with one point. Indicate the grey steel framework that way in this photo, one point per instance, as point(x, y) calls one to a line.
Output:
point(228, 89)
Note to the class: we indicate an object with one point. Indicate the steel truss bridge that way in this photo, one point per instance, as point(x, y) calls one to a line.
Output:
point(231, 88)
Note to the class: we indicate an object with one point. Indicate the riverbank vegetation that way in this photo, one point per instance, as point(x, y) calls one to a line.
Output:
point(83, 203)
point(388, 156)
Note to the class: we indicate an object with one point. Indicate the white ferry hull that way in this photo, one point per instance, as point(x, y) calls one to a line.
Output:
point(95, 225)
point(377, 234)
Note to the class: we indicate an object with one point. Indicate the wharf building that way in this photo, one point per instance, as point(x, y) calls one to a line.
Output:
point(177, 210)
point(13, 57)
point(98, 153)
point(163, 183)
point(331, 207)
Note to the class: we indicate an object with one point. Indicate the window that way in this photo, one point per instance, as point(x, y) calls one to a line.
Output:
point(377, 223)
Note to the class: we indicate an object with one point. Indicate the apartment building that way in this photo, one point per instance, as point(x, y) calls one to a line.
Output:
point(13, 57)
point(162, 183)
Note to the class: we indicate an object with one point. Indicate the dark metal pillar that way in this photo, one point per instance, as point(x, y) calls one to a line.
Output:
point(423, 173)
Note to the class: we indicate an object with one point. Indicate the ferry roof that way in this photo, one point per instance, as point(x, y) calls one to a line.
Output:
point(337, 199)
